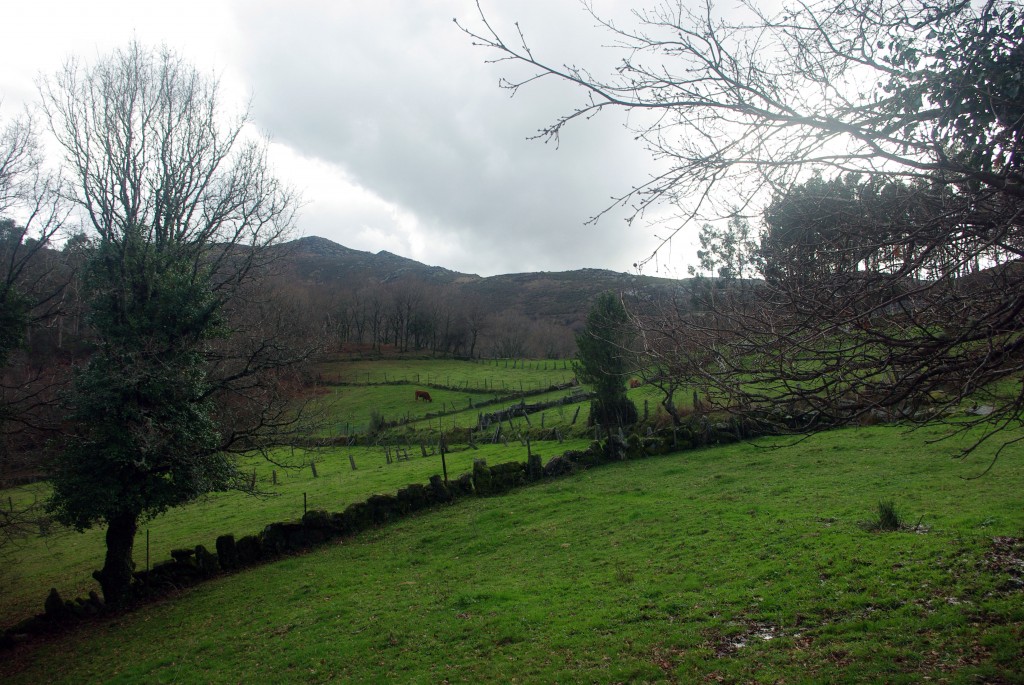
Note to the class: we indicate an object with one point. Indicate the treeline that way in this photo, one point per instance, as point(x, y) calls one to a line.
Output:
point(411, 315)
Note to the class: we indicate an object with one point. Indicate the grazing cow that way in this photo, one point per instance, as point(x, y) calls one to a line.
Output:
point(634, 383)
point(423, 395)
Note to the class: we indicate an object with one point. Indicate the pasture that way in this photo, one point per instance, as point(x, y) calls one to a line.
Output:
point(744, 563)
point(353, 391)
point(65, 559)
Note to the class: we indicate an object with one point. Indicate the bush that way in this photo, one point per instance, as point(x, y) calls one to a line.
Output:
point(377, 423)
point(613, 412)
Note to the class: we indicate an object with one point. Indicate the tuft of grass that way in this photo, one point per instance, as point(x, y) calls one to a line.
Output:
point(887, 519)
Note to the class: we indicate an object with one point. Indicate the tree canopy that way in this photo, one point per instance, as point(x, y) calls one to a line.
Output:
point(31, 285)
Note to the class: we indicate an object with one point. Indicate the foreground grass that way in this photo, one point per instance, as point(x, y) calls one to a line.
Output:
point(734, 564)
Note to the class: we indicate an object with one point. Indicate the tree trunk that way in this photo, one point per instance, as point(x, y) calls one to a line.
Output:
point(116, 575)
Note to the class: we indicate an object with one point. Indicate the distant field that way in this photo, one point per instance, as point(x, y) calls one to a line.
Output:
point(745, 563)
point(460, 391)
point(511, 375)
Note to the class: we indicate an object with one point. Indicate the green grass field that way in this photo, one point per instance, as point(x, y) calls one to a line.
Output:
point(65, 560)
point(481, 375)
point(745, 563)
point(459, 390)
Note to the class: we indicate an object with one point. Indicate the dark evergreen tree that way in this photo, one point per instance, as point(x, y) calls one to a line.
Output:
point(146, 437)
point(603, 362)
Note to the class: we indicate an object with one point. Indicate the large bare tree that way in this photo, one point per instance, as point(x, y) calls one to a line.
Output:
point(881, 142)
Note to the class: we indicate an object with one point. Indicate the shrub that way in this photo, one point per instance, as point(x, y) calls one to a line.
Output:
point(377, 423)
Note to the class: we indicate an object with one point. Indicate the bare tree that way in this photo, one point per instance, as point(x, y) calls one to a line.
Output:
point(31, 285)
point(915, 107)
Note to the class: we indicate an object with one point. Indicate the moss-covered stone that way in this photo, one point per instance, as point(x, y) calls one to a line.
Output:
point(184, 556)
point(413, 497)
point(439, 492)
point(249, 549)
point(461, 486)
point(206, 562)
point(481, 477)
point(383, 508)
point(227, 552)
point(356, 518)
point(559, 466)
point(321, 521)
point(534, 467)
point(55, 607)
point(507, 476)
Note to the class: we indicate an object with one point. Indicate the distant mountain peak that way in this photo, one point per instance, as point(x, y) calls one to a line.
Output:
point(314, 244)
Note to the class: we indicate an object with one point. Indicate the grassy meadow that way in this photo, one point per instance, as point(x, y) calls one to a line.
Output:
point(743, 563)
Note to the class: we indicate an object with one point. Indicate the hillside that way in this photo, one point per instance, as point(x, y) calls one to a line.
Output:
point(563, 297)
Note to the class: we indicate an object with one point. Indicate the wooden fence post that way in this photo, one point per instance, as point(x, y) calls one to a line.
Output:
point(442, 446)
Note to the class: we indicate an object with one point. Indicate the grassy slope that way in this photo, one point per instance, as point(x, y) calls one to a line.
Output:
point(737, 564)
point(477, 374)
point(65, 559)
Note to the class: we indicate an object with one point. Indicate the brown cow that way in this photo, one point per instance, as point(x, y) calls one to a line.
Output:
point(634, 383)
point(423, 395)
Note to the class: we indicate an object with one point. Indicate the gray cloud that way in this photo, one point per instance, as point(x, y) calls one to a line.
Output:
point(390, 120)
point(396, 96)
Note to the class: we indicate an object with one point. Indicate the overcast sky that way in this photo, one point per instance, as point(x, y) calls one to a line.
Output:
point(390, 122)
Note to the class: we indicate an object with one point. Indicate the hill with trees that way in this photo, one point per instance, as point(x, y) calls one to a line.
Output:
point(365, 299)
